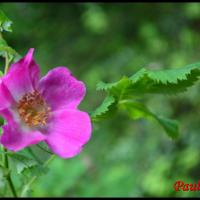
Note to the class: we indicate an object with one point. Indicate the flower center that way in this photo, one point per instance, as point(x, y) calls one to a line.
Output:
point(33, 109)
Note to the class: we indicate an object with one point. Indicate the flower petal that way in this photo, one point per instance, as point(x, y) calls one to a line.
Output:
point(67, 132)
point(22, 76)
point(61, 90)
point(15, 136)
point(15, 139)
point(6, 100)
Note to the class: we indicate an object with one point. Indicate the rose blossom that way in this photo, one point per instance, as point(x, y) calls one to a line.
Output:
point(43, 109)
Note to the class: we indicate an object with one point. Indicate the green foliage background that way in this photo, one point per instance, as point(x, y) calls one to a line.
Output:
point(103, 42)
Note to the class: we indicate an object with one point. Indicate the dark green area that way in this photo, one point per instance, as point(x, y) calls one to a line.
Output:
point(103, 42)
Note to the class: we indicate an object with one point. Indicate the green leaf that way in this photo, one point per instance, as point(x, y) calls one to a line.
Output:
point(124, 94)
point(100, 112)
point(26, 164)
point(133, 88)
point(169, 81)
point(5, 49)
point(22, 162)
point(36, 170)
point(5, 23)
point(137, 110)
point(41, 155)
point(170, 126)
point(105, 86)
point(1, 121)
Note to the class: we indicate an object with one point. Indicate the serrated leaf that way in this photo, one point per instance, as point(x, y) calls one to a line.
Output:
point(143, 82)
point(22, 162)
point(105, 86)
point(103, 108)
point(27, 165)
point(5, 23)
point(37, 170)
point(138, 75)
point(137, 110)
point(169, 81)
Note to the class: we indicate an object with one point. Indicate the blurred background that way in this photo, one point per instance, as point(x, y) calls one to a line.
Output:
point(103, 42)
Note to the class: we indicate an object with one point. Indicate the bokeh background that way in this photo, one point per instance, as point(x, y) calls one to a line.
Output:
point(103, 42)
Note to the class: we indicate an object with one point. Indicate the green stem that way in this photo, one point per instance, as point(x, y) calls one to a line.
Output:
point(7, 62)
point(8, 175)
point(5, 156)
point(27, 186)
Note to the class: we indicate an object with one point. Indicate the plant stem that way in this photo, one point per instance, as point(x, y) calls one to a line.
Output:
point(6, 161)
point(6, 63)
point(27, 186)
point(8, 175)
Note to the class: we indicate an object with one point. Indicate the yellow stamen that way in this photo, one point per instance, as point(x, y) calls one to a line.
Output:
point(33, 109)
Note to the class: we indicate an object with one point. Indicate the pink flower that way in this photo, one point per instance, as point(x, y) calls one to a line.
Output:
point(43, 109)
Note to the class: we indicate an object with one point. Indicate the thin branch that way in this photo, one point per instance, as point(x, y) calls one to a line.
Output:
point(7, 63)
point(27, 186)
point(8, 175)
